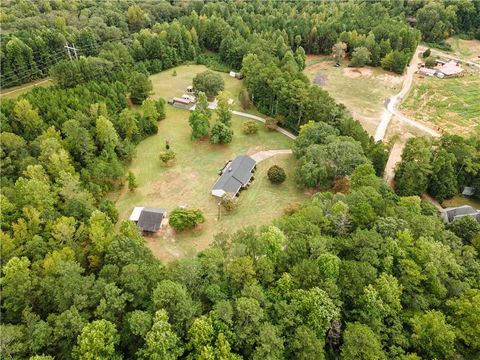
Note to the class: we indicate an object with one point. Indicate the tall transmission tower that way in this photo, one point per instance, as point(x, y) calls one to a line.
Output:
point(71, 49)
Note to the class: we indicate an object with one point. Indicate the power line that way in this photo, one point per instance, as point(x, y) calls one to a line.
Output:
point(27, 74)
point(71, 48)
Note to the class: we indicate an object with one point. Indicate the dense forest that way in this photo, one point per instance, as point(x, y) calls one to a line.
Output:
point(357, 272)
point(160, 35)
point(442, 168)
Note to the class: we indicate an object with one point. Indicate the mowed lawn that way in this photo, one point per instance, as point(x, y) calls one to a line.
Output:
point(167, 86)
point(189, 180)
point(362, 90)
point(453, 105)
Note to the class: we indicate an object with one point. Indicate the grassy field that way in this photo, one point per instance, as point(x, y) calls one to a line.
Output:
point(362, 90)
point(14, 92)
point(465, 49)
point(167, 86)
point(460, 200)
point(451, 104)
point(189, 180)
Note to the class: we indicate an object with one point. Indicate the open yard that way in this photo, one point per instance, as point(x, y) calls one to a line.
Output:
point(362, 90)
point(167, 86)
point(465, 49)
point(190, 179)
point(451, 104)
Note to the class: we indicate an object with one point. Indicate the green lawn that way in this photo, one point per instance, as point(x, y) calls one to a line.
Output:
point(362, 90)
point(167, 86)
point(465, 49)
point(189, 180)
point(451, 104)
point(460, 200)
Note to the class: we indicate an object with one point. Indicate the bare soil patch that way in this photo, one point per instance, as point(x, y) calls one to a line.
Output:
point(354, 73)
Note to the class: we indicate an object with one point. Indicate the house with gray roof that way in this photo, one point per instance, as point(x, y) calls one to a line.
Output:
point(454, 213)
point(148, 219)
point(234, 176)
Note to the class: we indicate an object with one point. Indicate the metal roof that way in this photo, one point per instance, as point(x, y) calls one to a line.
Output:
point(454, 213)
point(236, 174)
point(150, 219)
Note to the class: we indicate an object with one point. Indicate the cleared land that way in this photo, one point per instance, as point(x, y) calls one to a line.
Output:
point(167, 86)
point(460, 200)
point(451, 104)
point(362, 90)
point(14, 92)
point(189, 180)
point(465, 49)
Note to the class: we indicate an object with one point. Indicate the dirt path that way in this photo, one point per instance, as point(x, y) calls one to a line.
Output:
point(263, 155)
point(393, 159)
point(434, 202)
point(392, 103)
point(262, 120)
point(24, 87)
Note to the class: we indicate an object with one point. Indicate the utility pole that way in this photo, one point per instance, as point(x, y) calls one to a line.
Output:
point(71, 48)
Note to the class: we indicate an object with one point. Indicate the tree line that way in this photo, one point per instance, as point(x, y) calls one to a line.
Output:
point(442, 168)
point(361, 275)
point(162, 34)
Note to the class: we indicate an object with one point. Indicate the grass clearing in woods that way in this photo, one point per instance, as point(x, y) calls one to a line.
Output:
point(16, 91)
point(362, 90)
point(451, 104)
point(190, 179)
point(460, 200)
point(167, 86)
point(465, 49)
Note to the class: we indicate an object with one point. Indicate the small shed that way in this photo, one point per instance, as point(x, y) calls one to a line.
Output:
point(151, 219)
point(468, 191)
point(136, 213)
point(236, 75)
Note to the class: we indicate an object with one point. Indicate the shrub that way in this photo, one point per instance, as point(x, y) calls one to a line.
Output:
point(160, 105)
point(221, 134)
point(174, 73)
point(426, 53)
point(341, 185)
point(430, 62)
point(182, 219)
point(250, 127)
point(276, 174)
point(229, 202)
point(167, 156)
point(291, 208)
point(132, 182)
point(271, 124)
point(360, 57)
point(244, 99)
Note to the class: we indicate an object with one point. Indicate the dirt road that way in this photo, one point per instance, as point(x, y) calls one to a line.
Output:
point(393, 159)
point(392, 103)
